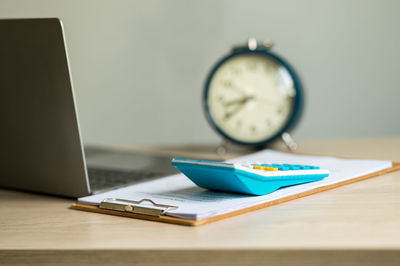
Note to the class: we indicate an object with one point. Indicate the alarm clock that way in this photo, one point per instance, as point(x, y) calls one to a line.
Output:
point(252, 96)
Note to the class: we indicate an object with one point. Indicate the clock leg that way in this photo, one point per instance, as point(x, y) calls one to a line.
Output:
point(288, 140)
point(223, 148)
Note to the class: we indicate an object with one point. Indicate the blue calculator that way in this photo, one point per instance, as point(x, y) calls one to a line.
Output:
point(247, 178)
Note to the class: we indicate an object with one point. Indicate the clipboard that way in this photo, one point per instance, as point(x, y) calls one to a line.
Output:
point(147, 209)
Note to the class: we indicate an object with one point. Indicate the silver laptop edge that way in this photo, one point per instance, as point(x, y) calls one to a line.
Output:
point(88, 189)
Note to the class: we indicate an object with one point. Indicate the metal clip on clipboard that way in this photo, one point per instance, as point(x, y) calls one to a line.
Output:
point(134, 206)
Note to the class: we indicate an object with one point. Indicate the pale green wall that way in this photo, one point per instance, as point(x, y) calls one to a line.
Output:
point(139, 66)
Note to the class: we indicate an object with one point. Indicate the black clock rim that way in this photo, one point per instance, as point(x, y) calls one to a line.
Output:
point(298, 103)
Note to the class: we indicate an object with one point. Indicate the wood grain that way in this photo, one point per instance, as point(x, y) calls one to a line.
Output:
point(356, 224)
point(203, 257)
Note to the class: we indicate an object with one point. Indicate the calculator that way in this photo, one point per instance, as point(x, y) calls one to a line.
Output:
point(247, 178)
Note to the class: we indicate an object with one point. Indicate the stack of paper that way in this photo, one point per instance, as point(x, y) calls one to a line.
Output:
point(195, 203)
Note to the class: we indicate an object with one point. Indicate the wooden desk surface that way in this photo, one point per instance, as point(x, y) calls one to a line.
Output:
point(355, 224)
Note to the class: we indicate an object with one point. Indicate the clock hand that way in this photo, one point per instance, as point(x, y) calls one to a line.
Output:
point(239, 101)
point(234, 111)
point(239, 106)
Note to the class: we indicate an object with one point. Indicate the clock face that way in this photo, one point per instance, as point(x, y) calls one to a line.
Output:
point(251, 97)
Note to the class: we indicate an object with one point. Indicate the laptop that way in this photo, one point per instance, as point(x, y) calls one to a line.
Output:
point(40, 142)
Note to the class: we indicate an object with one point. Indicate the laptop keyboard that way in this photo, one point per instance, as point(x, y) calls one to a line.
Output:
point(102, 179)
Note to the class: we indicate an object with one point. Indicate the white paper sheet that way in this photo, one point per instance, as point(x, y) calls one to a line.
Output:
point(195, 203)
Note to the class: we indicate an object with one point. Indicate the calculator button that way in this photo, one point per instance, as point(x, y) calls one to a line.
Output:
point(287, 167)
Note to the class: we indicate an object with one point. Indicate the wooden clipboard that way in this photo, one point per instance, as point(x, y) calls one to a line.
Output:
point(157, 214)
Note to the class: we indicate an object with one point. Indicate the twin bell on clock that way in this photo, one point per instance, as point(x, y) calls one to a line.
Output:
point(252, 96)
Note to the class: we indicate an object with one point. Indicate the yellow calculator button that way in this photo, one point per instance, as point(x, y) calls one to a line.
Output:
point(265, 168)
